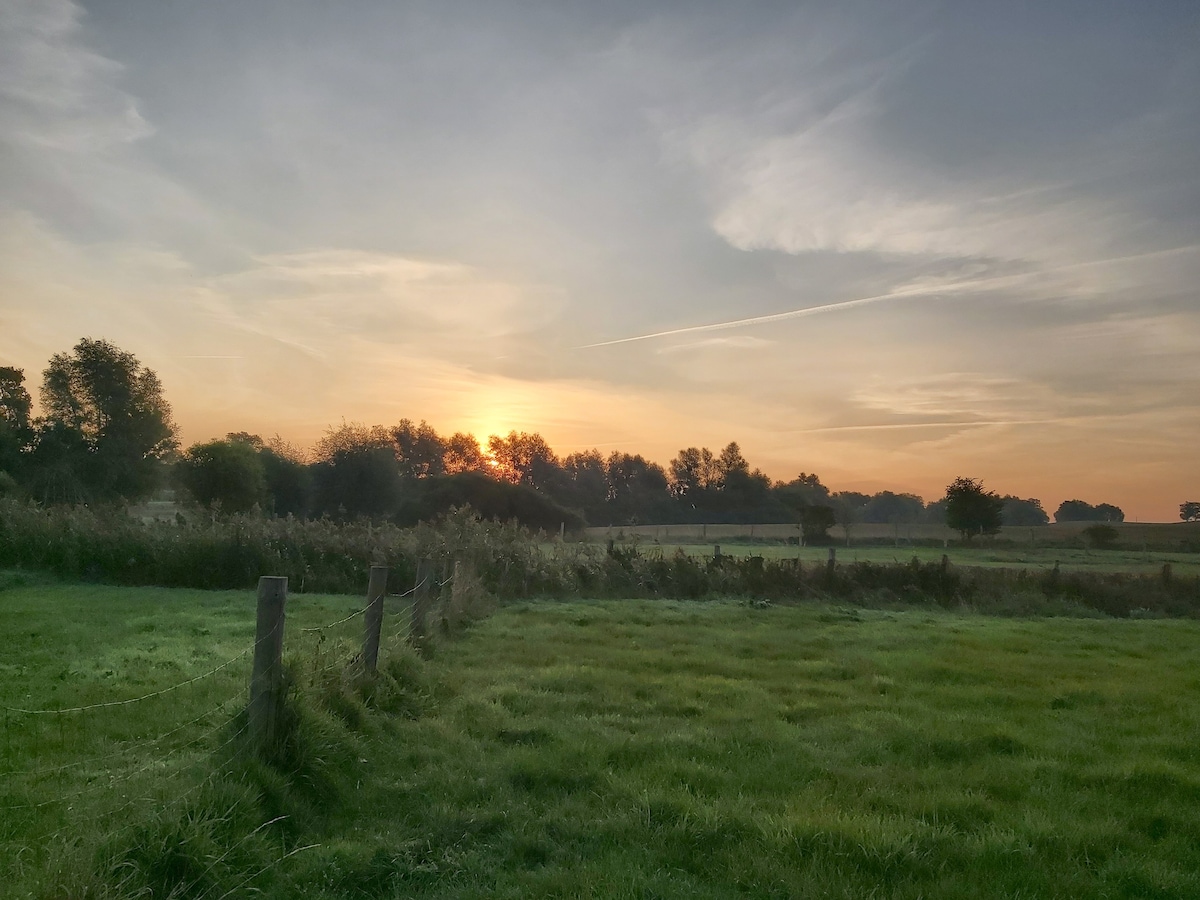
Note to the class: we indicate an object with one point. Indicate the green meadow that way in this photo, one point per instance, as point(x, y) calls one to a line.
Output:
point(998, 556)
point(605, 749)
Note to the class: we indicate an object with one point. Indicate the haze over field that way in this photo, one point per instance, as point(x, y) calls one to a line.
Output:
point(888, 244)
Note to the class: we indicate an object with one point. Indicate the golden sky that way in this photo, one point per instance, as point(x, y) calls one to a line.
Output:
point(891, 249)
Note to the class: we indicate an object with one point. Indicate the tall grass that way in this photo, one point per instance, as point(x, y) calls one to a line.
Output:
point(511, 563)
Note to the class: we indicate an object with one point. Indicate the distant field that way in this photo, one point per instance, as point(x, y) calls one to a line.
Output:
point(660, 749)
point(1132, 535)
point(998, 556)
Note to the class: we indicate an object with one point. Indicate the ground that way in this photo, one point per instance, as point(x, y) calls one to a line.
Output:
point(669, 749)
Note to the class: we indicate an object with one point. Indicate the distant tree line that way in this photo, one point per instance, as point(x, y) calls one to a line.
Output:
point(106, 435)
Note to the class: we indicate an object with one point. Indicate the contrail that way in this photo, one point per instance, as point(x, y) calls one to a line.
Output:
point(778, 317)
point(903, 293)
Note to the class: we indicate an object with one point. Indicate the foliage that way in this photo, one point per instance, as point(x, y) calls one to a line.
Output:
point(108, 418)
point(523, 458)
point(971, 509)
point(16, 430)
point(816, 522)
point(1023, 512)
point(1079, 511)
point(224, 475)
point(431, 498)
point(892, 509)
point(1100, 536)
point(1189, 511)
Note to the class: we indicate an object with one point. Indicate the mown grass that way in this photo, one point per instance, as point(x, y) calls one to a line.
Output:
point(717, 749)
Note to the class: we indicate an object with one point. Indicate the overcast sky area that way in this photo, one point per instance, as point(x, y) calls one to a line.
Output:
point(889, 243)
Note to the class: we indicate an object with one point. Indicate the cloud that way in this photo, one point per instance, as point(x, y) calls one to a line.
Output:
point(55, 92)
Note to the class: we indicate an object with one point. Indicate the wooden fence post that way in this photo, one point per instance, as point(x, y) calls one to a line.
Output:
point(376, 589)
point(831, 563)
point(266, 678)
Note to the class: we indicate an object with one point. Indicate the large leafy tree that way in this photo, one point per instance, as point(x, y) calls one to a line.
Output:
point(356, 472)
point(524, 458)
point(108, 420)
point(1018, 511)
point(971, 509)
point(225, 475)
point(15, 427)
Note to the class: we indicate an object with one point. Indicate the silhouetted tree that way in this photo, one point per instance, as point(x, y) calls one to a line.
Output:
point(972, 510)
point(1079, 511)
point(523, 458)
point(16, 428)
point(1023, 512)
point(637, 490)
point(420, 452)
point(886, 508)
point(815, 521)
point(462, 453)
point(1189, 511)
point(355, 473)
point(225, 475)
point(116, 408)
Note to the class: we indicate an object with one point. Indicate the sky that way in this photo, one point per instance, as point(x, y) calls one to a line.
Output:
point(891, 244)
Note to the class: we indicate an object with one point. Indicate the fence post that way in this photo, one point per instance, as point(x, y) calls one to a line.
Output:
point(831, 563)
point(376, 589)
point(420, 606)
point(266, 678)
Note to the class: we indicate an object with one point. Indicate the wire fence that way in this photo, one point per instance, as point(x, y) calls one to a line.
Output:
point(89, 768)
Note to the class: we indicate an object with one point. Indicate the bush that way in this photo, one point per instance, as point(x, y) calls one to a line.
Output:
point(1102, 537)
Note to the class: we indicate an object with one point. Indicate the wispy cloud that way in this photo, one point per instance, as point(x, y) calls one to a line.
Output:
point(55, 92)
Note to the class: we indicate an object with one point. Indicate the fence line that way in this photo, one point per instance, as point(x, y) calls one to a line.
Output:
point(134, 745)
point(173, 801)
point(357, 612)
point(111, 703)
point(132, 774)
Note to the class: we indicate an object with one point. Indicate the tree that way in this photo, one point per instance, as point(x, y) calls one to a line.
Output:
point(461, 453)
point(1079, 511)
point(1189, 511)
point(16, 429)
point(116, 407)
point(225, 475)
point(693, 470)
point(886, 508)
point(816, 522)
point(356, 473)
point(972, 510)
point(1023, 512)
point(420, 452)
point(637, 489)
point(523, 458)
point(729, 462)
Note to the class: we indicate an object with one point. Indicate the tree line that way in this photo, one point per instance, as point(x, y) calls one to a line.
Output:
point(107, 435)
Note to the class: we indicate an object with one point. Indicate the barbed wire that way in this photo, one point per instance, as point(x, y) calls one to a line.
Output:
point(179, 798)
point(111, 703)
point(114, 780)
point(128, 747)
point(357, 612)
point(413, 589)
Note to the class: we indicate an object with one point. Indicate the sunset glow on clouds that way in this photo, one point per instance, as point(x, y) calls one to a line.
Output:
point(891, 248)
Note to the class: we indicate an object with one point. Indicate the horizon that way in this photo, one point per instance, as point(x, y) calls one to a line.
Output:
point(889, 248)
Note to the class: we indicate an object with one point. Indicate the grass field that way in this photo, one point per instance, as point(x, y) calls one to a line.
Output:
point(1131, 536)
point(660, 749)
point(1135, 562)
